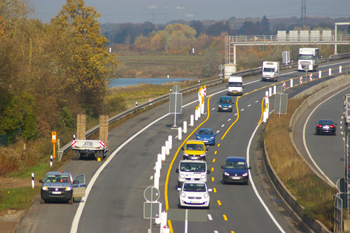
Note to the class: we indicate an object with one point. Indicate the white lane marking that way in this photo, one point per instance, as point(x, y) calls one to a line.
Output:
point(210, 217)
point(249, 105)
point(304, 140)
point(229, 119)
point(343, 139)
point(215, 231)
point(341, 132)
point(217, 131)
point(256, 101)
point(242, 109)
point(253, 184)
point(341, 127)
point(222, 125)
point(213, 108)
point(235, 114)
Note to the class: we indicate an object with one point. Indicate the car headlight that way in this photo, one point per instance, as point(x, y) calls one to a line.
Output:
point(198, 137)
point(182, 176)
point(45, 188)
point(219, 106)
point(183, 194)
point(245, 174)
point(202, 155)
point(205, 195)
point(185, 154)
point(68, 188)
point(203, 176)
point(230, 106)
point(212, 138)
point(226, 174)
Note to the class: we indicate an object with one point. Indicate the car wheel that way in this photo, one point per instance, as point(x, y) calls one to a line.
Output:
point(42, 201)
point(70, 201)
point(179, 205)
point(223, 181)
point(334, 133)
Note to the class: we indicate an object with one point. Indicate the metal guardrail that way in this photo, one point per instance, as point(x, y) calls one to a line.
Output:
point(248, 72)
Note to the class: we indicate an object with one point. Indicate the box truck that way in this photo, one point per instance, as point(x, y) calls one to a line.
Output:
point(308, 59)
point(270, 70)
point(235, 85)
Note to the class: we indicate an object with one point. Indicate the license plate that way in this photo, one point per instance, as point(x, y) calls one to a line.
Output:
point(205, 141)
point(235, 92)
point(193, 157)
point(224, 108)
point(235, 178)
point(56, 192)
point(326, 127)
point(194, 202)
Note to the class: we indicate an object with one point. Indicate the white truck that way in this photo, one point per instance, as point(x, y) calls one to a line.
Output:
point(235, 85)
point(83, 147)
point(308, 59)
point(192, 170)
point(270, 70)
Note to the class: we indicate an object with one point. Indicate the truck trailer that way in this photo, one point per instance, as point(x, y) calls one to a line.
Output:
point(308, 59)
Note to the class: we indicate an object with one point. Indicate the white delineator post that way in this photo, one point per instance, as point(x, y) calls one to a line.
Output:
point(291, 83)
point(170, 139)
point(310, 77)
point(50, 160)
point(185, 126)
point(199, 111)
point(191, 120)
point(274, 89)
point(301, 80)
point(340, 69)
point(179, 133)
point(270, 91)
point(163, 221)
point(329, 71)
point(163, 152)
point(158, 220)
point(159, 161)
point(320, 74)
point(156, 180)
point(167, 149)
point(33, 184)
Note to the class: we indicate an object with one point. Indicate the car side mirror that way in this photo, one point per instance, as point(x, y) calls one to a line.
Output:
point(222, 166)
point(178, 189)
point(76, 182)
point(210, 190)
point(249, 167)
point(335, 123)
point(208, 171)
point(177, 170)
point(41, 181)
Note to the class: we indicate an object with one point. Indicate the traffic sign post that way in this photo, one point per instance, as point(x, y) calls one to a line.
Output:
point(151, 206)
point(175, 103)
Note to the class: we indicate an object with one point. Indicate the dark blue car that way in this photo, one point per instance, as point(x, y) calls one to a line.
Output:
point(235, 170)
point(206, 135)
point(225, 104)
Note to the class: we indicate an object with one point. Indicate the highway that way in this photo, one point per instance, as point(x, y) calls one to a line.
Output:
point(115, 201)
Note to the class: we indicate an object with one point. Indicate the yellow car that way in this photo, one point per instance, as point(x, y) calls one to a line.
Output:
point(195, 149)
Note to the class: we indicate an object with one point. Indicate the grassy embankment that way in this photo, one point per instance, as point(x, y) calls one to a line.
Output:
point(309, 190)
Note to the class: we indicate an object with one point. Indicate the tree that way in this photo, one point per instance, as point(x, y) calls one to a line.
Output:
point(213, 58)
point(217, 28)
point(265, 26)
point(198, 26)
point(91, 63)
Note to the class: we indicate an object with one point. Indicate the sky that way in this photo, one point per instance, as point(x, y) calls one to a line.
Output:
point(162, 11)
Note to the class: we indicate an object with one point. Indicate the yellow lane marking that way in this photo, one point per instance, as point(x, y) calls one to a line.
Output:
point(234, 121)
point(219, 202)
point(212, 179)
point(171, 165)
point(213, 160)
point(212, 169)
point(214, 190)
point(219, 145)
point(232, 232)
point(215, 152)
point(225, 218)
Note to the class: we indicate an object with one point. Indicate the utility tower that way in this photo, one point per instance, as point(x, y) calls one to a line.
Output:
point(303, 11)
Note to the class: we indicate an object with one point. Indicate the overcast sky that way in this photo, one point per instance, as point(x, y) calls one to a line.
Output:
point(162, 11)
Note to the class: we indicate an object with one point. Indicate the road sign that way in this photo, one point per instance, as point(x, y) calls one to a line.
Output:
point(150, 210)
point(175, 103)
point(281, 101)
point(151, 194)
point(176, 88)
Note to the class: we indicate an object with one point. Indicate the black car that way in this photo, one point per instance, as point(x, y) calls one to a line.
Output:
point(235, 170)
point(60, 185)
point(326, 126)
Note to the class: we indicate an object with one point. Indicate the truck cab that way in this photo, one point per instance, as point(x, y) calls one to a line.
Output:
point(308, 59)
point(270, 70)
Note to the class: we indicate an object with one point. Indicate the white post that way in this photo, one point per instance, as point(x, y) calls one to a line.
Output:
point(50, 160)
point(158, 220)
point(163, 221)
point(163, 156)
point(270, 91)
point(202, 108)
point(199, 111)
point(192, 120)
point(301, 80)
point(310, 78)
point(291, 83)
point(266, 93)
point(329, 71)
point(33, 184)
point(185, 126)
point(196, 114)
point(170, 139)
point(159, 160)
point(274, 89)
point(167, 149)
point(340, 69)
point(156, 180)
point(179, 133)
point(319, 74)
point(163, 152)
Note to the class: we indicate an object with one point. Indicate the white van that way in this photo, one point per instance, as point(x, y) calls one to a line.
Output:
point(270, 70)
point(235, 85)
point(192, 170)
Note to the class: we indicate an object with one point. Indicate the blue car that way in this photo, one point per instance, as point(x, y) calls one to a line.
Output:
point(235, 170)
point(225, 104)
point(206, 135)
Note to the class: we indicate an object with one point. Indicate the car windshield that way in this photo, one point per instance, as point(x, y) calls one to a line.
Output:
point(192, 167)
point(305, 57)
point(326, 122)
point(194, 187)
point(57, 178)
point(225, 101)
point(194, 147)
point(269, 69)
point(234, 84)
point(206, 132)
point(236, 165)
